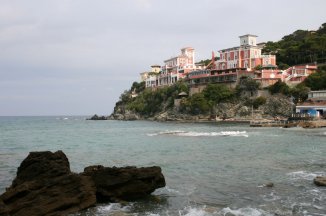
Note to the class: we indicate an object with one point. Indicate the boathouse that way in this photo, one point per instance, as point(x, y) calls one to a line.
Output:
point(315, 105)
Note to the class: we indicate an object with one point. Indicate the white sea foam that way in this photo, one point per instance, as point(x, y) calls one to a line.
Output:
point(197, 211)
point(304, 175)
point(166, 133)
point(245, 212)
point(271, 197)
point(167, 190)
point(202, 134)
point(114, 207)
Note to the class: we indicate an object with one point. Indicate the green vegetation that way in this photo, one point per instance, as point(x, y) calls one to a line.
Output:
point(256, 102)
point(317, 81)
point(206, 101)
point(300, 47)
point(279, 88)
point(247, 84)
point(138, 87)
point(149, 102)
point(299, 93)
point(197, 104)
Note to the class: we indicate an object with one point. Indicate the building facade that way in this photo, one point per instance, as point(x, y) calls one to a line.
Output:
point(248, 60)
point(174, 68)
point(315, 105)
point(233, 63)
point(247, 55)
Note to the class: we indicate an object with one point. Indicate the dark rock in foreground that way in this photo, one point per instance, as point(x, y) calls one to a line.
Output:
point(320, 181)
point(114, 184)
point(45, 186)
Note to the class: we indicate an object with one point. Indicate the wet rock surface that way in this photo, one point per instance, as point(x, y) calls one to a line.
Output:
point(320, 181)
point(45, 185)
point(127, 183)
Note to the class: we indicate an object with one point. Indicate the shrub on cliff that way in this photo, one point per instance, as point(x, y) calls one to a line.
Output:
point(149, 102)
point(279, 88)
point(316, 81)
point(256, 102)
point(198, 104)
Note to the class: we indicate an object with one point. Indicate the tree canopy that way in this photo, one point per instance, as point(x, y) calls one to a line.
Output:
point(300, 47)
point(316, 81)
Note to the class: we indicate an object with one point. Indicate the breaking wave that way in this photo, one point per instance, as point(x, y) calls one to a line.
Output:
point(245, 212)
point(299, 175)
point(201, 134)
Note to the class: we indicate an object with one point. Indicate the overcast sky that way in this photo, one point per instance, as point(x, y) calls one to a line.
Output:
point(75, 57)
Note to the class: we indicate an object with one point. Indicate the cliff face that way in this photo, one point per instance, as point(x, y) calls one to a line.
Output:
point(275, 106)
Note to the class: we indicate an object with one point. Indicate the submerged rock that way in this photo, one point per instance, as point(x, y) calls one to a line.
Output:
point(320, 181)
point(124, 183)
point(269, 184)
point(44, 185)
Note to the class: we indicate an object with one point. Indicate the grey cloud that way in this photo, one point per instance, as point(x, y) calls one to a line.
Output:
point(79, 49)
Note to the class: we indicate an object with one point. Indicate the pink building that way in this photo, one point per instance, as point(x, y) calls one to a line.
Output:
point(298, 73)
point(247, 55)
point(174, 69)
point(234, 63)
point(291, 76)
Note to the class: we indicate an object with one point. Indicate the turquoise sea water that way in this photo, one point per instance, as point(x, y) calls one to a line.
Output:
point(210, 168)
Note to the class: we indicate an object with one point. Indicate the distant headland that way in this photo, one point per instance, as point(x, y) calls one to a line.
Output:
point(252, 81)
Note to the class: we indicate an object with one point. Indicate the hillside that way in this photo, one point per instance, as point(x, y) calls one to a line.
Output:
point(217, 101)
point(300, 47)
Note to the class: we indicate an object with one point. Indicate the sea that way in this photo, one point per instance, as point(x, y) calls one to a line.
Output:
point(216, 168)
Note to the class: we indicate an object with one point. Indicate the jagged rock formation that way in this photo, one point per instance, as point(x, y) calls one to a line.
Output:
point(45, 186)
point(126, 183)
point(96, 117)
point(278, 105)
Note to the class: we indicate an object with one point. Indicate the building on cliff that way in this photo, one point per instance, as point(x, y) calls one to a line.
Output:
point(149, 77)
point(245, 60)
point(174, 68)
point(247, 55)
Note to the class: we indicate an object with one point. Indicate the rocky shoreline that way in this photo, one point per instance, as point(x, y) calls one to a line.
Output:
point(258, 121)
point(234, 110)
point(45, 185)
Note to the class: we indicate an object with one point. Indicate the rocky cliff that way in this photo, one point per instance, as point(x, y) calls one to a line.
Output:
point(275, 106)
